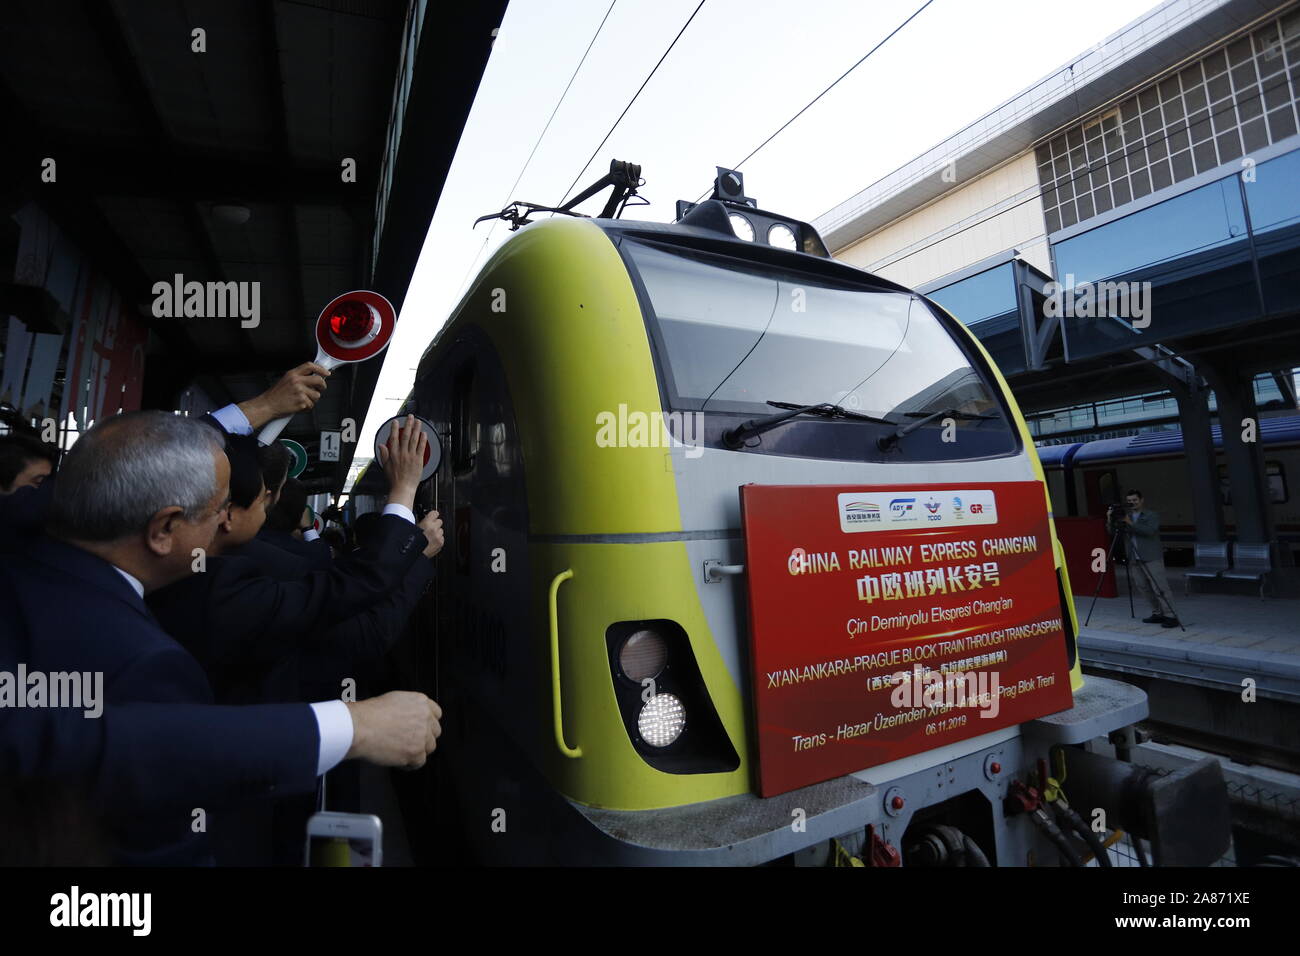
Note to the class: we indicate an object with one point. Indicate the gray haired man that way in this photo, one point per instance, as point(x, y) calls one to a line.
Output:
point(137, 502)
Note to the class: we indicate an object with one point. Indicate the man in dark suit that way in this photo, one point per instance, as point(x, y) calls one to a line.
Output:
point(297, 390)
point(241, 623)
point(139, 496)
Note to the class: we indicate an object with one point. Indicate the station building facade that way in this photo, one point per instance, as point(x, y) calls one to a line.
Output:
point(1124, 238)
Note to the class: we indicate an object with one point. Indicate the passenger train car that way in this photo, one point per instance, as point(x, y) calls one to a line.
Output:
point(588, 386)
point(1084, 477)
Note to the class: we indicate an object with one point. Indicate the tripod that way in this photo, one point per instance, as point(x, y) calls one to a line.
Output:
point(1130, 555)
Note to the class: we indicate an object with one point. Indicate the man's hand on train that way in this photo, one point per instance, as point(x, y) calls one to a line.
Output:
point(431, 525)
point(399, 729)
point(402, 458)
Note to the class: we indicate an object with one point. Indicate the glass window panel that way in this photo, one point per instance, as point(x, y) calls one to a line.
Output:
point(1216, 62)
point(1128, 110)
point(1183, 166)
point(1068, 216)
point(1267, 42)
point(1254, 135)
point(1160, 175)
point(1219, 88)
point(1101, 200)
point(1248, 107)
point(1173, 111)
point(1053, 219)
point(1191, 248)
point(1229, 146)
point(982, 296)
point(1083, 203)
point(1141, 181)
point(1199, 129)
point(1112, 141)
point(1276, 94)
point(1158, 151)
point(1121, 191)
point(1132, 130)
point(1074, 138)
point(1191, 77)
point(1077, 160)
point(1225, 118)
point(1244, 76)
point(1148, 99)
point(1179, 141)
point(1204, 155)
point(1195, 98)
point(1281, 123)
point(1274, 205)
point(1169, 88)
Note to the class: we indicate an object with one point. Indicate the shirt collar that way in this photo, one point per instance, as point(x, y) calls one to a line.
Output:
point(131, 580)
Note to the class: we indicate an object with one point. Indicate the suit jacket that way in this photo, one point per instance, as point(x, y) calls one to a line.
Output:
point(355, 647)
point(315, 553)
point(1145, 532)
point(240, 623)
point(158, 750)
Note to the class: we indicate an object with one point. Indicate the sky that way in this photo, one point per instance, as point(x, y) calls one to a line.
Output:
point(741, 69)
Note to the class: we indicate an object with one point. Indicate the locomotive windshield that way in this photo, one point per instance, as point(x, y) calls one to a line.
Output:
point(740, 337)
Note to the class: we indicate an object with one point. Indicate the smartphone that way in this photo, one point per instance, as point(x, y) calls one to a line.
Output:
point(345, 839)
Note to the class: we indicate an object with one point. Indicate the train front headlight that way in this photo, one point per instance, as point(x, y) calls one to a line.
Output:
point(742, 227)
point(643, 655)
point(656, 682)
point(783, 237)
point(662, 720)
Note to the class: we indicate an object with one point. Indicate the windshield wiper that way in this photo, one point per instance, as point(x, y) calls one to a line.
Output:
point(735, 438)
point(888, 441)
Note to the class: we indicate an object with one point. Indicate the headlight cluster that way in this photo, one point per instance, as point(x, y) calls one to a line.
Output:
point(779, 234)
point(642, 658)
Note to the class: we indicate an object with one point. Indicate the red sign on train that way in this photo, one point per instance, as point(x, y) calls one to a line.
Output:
point(889, 620)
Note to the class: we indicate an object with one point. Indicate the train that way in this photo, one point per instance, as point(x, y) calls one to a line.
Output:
point(1084, 477)
point(603, 389)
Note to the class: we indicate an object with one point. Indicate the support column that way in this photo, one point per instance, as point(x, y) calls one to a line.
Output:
point(1202, 472)
point(1235, 394)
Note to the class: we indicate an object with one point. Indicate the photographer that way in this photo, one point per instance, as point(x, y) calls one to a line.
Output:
point(1141, 527)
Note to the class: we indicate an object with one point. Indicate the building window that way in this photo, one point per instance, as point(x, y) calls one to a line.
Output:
point(1236, 99)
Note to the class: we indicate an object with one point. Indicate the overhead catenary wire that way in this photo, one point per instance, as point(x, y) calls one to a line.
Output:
point(595, 152)
point(814, 100)
point(533, 152)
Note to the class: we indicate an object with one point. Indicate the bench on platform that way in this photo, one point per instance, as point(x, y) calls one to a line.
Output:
point(1251, 562)
point(1211, 560)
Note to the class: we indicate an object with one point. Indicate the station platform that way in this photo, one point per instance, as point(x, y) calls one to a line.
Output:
point(1227, 638)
